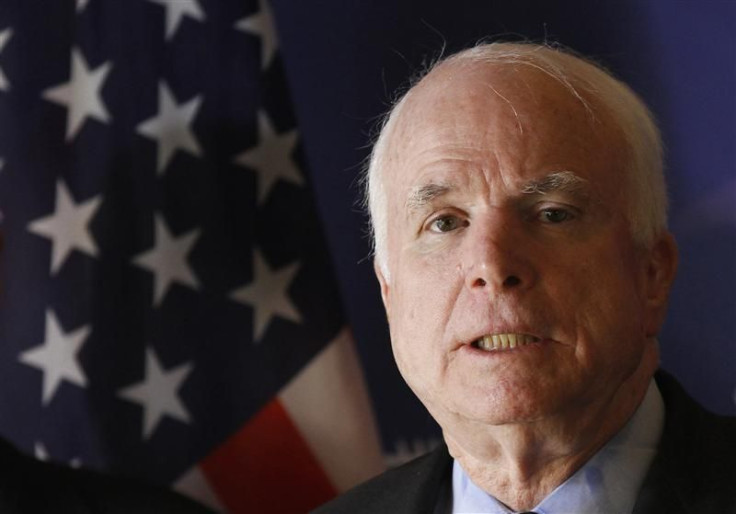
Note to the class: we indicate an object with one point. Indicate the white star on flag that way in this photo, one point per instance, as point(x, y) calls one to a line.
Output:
point(81, 4)
point(271, 158)
point(176, 10)
point(268, 295)
point(5, 36)
point(167, 260)
point(57, 357)
point(67, 227)
point(81, 95)
point(40, 452)
point(261, 25)
point(170, 127)
point(158, 393)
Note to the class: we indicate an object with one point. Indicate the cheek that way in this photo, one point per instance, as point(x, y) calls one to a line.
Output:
point(426, 286)
point(416, 313)
point(608, 310)
point(423, 298)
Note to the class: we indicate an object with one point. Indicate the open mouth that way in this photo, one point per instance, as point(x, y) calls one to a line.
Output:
point(497, 342)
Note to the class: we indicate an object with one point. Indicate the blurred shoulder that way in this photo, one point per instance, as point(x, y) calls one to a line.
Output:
point(684, 412)
point(30, 486)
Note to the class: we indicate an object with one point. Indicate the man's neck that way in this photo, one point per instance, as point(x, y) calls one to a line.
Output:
point(520, 464)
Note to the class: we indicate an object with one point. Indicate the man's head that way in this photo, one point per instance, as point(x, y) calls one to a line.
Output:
point(527, 205)
point(584, 80)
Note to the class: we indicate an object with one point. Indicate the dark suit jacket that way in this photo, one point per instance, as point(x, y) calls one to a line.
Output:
point(28, 486)
point(694, 471)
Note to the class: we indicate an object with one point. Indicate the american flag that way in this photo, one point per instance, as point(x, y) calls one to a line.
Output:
point(168, 305)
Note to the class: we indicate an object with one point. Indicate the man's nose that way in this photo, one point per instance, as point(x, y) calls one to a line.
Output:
point(499, 258)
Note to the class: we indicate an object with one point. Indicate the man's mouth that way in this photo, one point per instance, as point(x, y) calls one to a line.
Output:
point(499, 342)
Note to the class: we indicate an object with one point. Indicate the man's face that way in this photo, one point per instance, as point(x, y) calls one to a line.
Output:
point(508, 205)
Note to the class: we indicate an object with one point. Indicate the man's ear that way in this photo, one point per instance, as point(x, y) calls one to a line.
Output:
point(661, 269)
point(385, 287)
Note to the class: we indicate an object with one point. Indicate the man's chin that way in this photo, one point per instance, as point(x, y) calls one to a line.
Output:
point(493, 411)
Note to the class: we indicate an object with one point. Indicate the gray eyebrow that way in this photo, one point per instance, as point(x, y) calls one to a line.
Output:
point(422, 195)
point(558, 182)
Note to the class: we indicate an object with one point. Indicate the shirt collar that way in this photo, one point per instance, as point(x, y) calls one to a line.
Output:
point(608, 482)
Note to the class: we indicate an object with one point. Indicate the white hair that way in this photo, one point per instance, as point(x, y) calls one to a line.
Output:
point(647, 205)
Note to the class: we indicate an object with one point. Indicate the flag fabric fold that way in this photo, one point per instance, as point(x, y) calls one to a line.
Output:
point(169, 309)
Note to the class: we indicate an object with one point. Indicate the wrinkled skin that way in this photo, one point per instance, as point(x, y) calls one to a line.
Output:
point(474, 251)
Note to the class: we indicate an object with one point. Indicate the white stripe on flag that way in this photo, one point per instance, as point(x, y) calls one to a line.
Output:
point(195, 485)
point(329, 404)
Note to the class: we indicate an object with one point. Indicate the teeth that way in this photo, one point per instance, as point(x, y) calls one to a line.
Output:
point(504, 341)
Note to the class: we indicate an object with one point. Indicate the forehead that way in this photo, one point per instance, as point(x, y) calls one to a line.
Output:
point(509, 119)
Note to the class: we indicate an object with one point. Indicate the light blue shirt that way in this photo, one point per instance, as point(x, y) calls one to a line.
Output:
point(607, 484)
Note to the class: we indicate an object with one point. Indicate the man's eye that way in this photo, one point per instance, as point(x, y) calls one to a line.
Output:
point(555, 215)
point(446, 224)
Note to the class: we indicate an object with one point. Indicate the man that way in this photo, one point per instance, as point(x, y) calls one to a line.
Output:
point(525, 276)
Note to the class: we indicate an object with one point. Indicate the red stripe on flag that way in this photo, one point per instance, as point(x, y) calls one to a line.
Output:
point(267, 467)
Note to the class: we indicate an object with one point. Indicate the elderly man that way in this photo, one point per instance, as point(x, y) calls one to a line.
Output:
point(525, 274)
